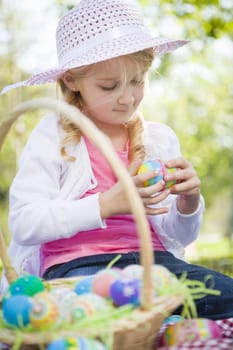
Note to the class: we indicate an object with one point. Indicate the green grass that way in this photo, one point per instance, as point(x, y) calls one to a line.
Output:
point(216, 255)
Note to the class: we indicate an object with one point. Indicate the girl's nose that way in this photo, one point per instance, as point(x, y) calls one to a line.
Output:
point(126, 97)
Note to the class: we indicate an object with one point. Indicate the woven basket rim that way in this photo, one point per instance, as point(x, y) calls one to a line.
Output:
point(136, 320)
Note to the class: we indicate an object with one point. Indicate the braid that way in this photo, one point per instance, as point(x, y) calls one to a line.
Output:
point(73, 133)
point(137, 149)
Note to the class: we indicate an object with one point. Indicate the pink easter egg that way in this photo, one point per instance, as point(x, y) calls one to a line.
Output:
point(190, 330)
point(103, 281)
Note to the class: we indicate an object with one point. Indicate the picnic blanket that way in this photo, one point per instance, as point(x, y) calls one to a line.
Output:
point(225, 342)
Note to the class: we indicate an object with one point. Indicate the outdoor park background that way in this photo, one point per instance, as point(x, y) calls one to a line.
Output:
point(191, 90)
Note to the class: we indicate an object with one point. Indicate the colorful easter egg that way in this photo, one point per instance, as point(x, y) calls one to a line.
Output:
point(79, 343)
point(84, 285)
point(156, 165)
point(103, 281)
point(126, 291)
point(45, 311)
point(161, 277)
point(96, 300)
point(27, 284)
point(86, 305)
point(81, 309)
point(16, 310)
point(190, 330)
point(65, 303)
point(133, 271)
point(59, 293)
point(68, 298)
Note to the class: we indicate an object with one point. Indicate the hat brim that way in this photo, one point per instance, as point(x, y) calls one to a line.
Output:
point(110, 49)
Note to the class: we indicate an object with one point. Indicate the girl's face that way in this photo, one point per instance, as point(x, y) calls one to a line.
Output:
point(112, 91)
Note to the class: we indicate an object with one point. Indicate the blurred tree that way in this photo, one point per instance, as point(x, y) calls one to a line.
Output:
point(206, 18)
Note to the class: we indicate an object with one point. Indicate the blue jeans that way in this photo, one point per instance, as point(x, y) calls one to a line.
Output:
point(212, 307)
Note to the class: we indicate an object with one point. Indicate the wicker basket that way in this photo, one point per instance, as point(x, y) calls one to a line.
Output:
point(138, 330)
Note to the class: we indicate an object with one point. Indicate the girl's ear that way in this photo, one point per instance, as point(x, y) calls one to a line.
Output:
point(69, 81)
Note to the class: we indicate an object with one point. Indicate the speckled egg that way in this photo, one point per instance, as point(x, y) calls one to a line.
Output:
point(27, 284)
point(97, 301)
point(45, 311)
point(103, 281)
point(190, 330)
point(134, 271)
point(59, 293)
point(16, 310)
point(65, 304)
point(161, 277)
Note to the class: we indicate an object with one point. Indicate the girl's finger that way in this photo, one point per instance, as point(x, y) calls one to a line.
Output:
point(156, 211)
point(156, 199)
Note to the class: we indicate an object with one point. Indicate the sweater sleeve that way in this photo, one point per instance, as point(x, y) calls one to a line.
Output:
point(163, 143)
point(182, 227)
point(37, 213)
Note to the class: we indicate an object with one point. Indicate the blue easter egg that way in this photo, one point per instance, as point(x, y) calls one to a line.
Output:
point(16, 310)
point(79, 343)
point(84, 285)
point(125, 291)
point(173, 319)
point(59, 344)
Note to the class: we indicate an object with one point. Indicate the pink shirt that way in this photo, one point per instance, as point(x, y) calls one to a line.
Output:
point(120, 235)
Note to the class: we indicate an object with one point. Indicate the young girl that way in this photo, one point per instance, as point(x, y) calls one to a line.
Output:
point(68, 213)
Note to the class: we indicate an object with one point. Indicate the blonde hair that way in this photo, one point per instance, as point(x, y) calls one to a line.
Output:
point(143, 59)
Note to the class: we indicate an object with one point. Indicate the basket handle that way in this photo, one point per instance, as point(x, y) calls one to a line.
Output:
point(106, 147)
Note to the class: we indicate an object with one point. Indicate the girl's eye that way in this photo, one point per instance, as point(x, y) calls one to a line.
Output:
point(108, 88)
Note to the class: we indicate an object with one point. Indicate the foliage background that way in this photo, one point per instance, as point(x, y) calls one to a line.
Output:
point(191, 90)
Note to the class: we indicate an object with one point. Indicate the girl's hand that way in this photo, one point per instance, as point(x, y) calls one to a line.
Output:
point(187, 186)
point(114, 201)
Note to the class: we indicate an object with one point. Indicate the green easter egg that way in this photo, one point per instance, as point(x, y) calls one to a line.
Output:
point(27, 285)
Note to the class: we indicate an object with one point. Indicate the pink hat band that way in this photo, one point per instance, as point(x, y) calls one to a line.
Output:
point(95, 31)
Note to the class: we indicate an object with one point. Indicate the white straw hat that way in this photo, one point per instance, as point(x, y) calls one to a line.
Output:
point(97, 30)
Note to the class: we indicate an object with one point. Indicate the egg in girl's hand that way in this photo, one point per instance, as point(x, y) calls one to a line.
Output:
point(16, 310)
point(126, 291)
point(156, 165)
point(190, 330)
point(79, 343)
point(103, 281)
